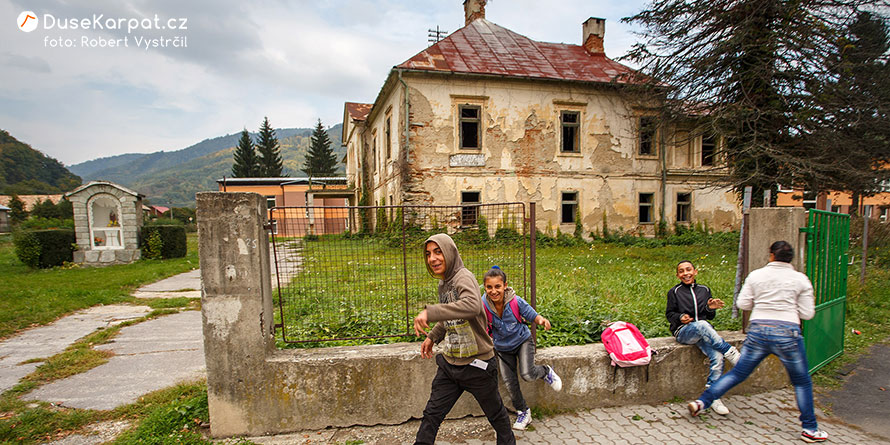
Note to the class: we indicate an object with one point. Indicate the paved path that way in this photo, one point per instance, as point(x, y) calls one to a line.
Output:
point(147, 357)
point(768, 418)
point(865, 396)
point(186, 284)
point(49, 340)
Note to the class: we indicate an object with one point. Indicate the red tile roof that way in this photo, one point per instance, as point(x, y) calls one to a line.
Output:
point(483, 47)
point(358, 111)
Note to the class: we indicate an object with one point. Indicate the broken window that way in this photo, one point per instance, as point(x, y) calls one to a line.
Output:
point(708, 148)
point(684, 206)
point(469, 212)
point(469, 127)
point(571, 126)
point(647, 136)
point(569, 207)
point(646, 201)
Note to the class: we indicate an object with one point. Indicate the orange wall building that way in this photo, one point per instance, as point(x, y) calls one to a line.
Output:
point(288, 200)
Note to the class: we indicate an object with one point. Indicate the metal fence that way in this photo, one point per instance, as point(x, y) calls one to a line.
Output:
point(346, 273)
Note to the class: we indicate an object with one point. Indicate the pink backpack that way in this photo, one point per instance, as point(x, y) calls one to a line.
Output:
point(626, 345)
point(514, 307)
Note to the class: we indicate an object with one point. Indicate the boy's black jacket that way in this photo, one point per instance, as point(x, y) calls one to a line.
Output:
point(680, 301)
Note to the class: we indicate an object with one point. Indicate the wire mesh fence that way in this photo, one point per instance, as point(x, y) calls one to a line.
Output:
point(349, 273)
point(875, 248)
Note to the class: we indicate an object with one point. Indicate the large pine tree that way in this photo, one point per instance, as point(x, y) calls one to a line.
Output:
point(743, 67)
point(247, 164)
point(269, 152)
point(321, 160)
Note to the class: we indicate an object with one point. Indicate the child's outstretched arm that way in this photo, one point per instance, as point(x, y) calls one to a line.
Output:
point(541, 321)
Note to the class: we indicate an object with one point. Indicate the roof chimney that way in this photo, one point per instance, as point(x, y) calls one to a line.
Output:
point(593, 31)
point(474, 9)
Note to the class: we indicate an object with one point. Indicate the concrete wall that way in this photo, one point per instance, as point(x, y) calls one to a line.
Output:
point(255, 389)
point(772, 224)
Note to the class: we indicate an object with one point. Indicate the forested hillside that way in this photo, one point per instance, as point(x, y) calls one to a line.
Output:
point(173, 178)
point(26, 171)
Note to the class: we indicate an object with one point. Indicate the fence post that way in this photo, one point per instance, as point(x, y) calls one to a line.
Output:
point(865, 219)
point(236, 306)
point(532, 263)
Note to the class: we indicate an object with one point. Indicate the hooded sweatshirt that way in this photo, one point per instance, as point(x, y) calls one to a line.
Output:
point(462, 326)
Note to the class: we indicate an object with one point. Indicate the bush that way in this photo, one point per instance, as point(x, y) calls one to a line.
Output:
point(44, 248)
point(171, 237)
point(39, 223)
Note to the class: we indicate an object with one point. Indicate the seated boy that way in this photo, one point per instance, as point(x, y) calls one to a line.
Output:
point(689, 306)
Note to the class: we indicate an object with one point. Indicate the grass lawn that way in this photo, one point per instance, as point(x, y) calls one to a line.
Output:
point(579, 288)
point(32, 297)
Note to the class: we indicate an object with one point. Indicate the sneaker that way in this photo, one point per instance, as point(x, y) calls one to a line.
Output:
point(812, 436)
point(696, 407)
point(732, 356)
point(553, 380)
point(523, 419)
point(718, 407)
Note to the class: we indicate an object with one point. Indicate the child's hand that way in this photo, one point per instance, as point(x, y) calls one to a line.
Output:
point(421, 324)
point(426, 348)
point(541, 321)
point(715, 303)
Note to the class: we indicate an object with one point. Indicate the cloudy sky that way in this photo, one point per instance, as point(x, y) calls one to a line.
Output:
point(68, 94)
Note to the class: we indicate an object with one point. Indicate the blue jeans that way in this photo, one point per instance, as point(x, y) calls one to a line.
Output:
point(783, 339)
point(703, 335)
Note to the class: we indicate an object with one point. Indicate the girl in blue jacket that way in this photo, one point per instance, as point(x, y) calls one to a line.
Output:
point(513, 341)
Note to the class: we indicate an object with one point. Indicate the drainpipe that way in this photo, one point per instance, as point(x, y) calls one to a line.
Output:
point(663, 159)
point(407, 119)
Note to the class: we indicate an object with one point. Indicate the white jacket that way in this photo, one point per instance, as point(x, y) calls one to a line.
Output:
point(777, 292)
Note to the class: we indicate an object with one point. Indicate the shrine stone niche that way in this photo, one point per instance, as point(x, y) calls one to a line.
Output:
point(107, 221)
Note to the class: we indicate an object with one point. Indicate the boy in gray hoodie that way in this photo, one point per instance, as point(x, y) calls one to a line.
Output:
point(467, 362)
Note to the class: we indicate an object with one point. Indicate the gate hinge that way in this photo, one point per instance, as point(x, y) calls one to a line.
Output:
point(278, 325)
point(806, 230)
point(269, 225)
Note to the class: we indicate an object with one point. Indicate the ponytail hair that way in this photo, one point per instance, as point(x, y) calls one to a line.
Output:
point(495, 272)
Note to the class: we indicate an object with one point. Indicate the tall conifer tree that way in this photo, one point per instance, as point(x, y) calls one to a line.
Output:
point(321, 160)
point(247, 164)
point(269, 152)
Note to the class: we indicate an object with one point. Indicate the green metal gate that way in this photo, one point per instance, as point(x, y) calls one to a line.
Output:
point(828, 238)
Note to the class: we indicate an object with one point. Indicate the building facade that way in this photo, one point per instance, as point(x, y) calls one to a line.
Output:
point(487, 115)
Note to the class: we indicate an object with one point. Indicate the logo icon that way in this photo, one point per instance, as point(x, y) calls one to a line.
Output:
point(27, 21)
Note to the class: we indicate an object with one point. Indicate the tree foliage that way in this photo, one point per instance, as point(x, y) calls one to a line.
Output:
point(17, 211)
point(746, 70)
point(854, 127)
point(26, 171)
point(247, 164)
point(269, 152)
point(320, 160)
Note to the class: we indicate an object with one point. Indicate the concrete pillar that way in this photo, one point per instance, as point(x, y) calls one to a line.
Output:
point(769, 225)
point(236, 307)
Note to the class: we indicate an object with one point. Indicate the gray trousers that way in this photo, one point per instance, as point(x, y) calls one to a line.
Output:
point(523, 357)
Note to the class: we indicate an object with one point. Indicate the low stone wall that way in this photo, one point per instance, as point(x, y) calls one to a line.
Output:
point(390, 384)
point(255, 389)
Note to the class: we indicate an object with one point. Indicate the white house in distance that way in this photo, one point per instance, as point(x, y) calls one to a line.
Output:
point(487, 115)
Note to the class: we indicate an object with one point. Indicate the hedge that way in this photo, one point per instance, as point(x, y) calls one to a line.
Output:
point(44, 248)
point(162, 241)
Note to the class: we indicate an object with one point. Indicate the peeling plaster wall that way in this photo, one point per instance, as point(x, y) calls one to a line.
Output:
point(521, 149)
